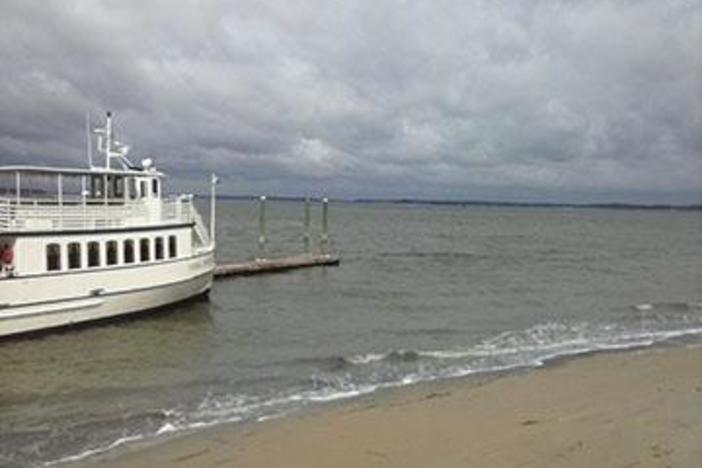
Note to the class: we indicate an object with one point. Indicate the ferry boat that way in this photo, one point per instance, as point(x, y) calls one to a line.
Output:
point(78, 245)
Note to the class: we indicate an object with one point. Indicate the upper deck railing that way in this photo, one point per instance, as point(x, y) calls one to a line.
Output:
point(39, 215)
point(59, 199)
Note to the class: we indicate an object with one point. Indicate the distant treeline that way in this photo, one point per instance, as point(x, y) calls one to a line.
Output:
point(415, 201)
point(612, 206)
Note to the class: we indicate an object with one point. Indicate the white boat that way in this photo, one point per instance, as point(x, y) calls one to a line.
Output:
point(85, 244)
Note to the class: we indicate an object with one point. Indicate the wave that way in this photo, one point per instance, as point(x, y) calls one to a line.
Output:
point(328, 363)
point(574, 339)
point(669, 306)
point(339, 363)
point(364, 373)
point(422, 331)
point(402, 355)
point(340, 377)
point(438, 255)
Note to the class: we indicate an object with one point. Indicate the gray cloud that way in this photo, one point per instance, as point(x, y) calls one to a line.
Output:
point(551, 100)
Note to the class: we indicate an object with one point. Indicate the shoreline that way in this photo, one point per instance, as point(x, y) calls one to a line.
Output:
point(639, 407)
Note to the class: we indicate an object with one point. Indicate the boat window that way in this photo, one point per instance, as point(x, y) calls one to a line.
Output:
point(7, 184)
point(158, 248)
point(129, 251)
point(144, 250)
point(74, 255)
point(111, 252)
point(154, 187)
point(93, 254)
point(172, 246)
point(72, 188)
point(116, 187)
point(96, 186)
point(53, 257)
point(144, 189)
point(133, 195)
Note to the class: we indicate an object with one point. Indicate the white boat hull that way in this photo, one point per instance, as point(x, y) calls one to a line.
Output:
point(58, 300)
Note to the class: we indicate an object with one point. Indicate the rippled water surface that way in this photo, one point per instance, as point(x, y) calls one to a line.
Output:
point(423, 293)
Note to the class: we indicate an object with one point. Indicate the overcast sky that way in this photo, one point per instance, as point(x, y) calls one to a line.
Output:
point(462, 99)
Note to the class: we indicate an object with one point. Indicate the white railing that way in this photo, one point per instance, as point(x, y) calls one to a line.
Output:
point(37, 216)
point(4, 214)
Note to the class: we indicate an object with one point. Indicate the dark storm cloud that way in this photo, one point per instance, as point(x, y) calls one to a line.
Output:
point(512, 99)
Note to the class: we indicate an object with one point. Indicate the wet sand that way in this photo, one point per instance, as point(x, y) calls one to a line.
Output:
point(632, 409)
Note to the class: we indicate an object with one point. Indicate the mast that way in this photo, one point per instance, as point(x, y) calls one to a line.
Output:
point(110, 147)
point(108, 140)
point(87, 139)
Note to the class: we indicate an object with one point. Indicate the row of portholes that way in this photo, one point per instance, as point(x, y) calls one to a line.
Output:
point(94, 257)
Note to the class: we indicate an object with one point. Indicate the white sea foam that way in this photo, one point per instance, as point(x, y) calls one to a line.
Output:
point(271, 416)
point(454, 354)
point(97, 450)
point(366, 358)
point(341, 395)
point(166, 428)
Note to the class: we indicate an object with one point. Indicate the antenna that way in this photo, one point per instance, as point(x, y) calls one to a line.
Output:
point(87, 138)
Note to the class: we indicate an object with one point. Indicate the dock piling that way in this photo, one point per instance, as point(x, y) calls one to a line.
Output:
point(306, 236)
point(325, 225)
point(262, 227)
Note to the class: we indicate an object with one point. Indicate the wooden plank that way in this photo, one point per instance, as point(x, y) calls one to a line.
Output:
point(272, 265)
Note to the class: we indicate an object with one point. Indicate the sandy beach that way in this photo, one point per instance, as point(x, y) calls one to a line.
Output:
point(633, 409)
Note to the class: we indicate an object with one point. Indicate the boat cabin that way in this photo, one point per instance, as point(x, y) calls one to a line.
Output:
point(85, 218)
point(42, 185)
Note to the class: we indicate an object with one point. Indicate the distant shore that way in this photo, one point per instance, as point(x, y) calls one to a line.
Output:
point(486, 203)
point(628, 409)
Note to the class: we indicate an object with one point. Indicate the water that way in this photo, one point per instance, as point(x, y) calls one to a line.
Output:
point(423, 293)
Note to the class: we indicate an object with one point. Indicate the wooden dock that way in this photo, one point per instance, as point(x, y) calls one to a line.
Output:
point(274, 265)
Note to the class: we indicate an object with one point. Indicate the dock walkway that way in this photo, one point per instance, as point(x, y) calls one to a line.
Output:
point(273, 265)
